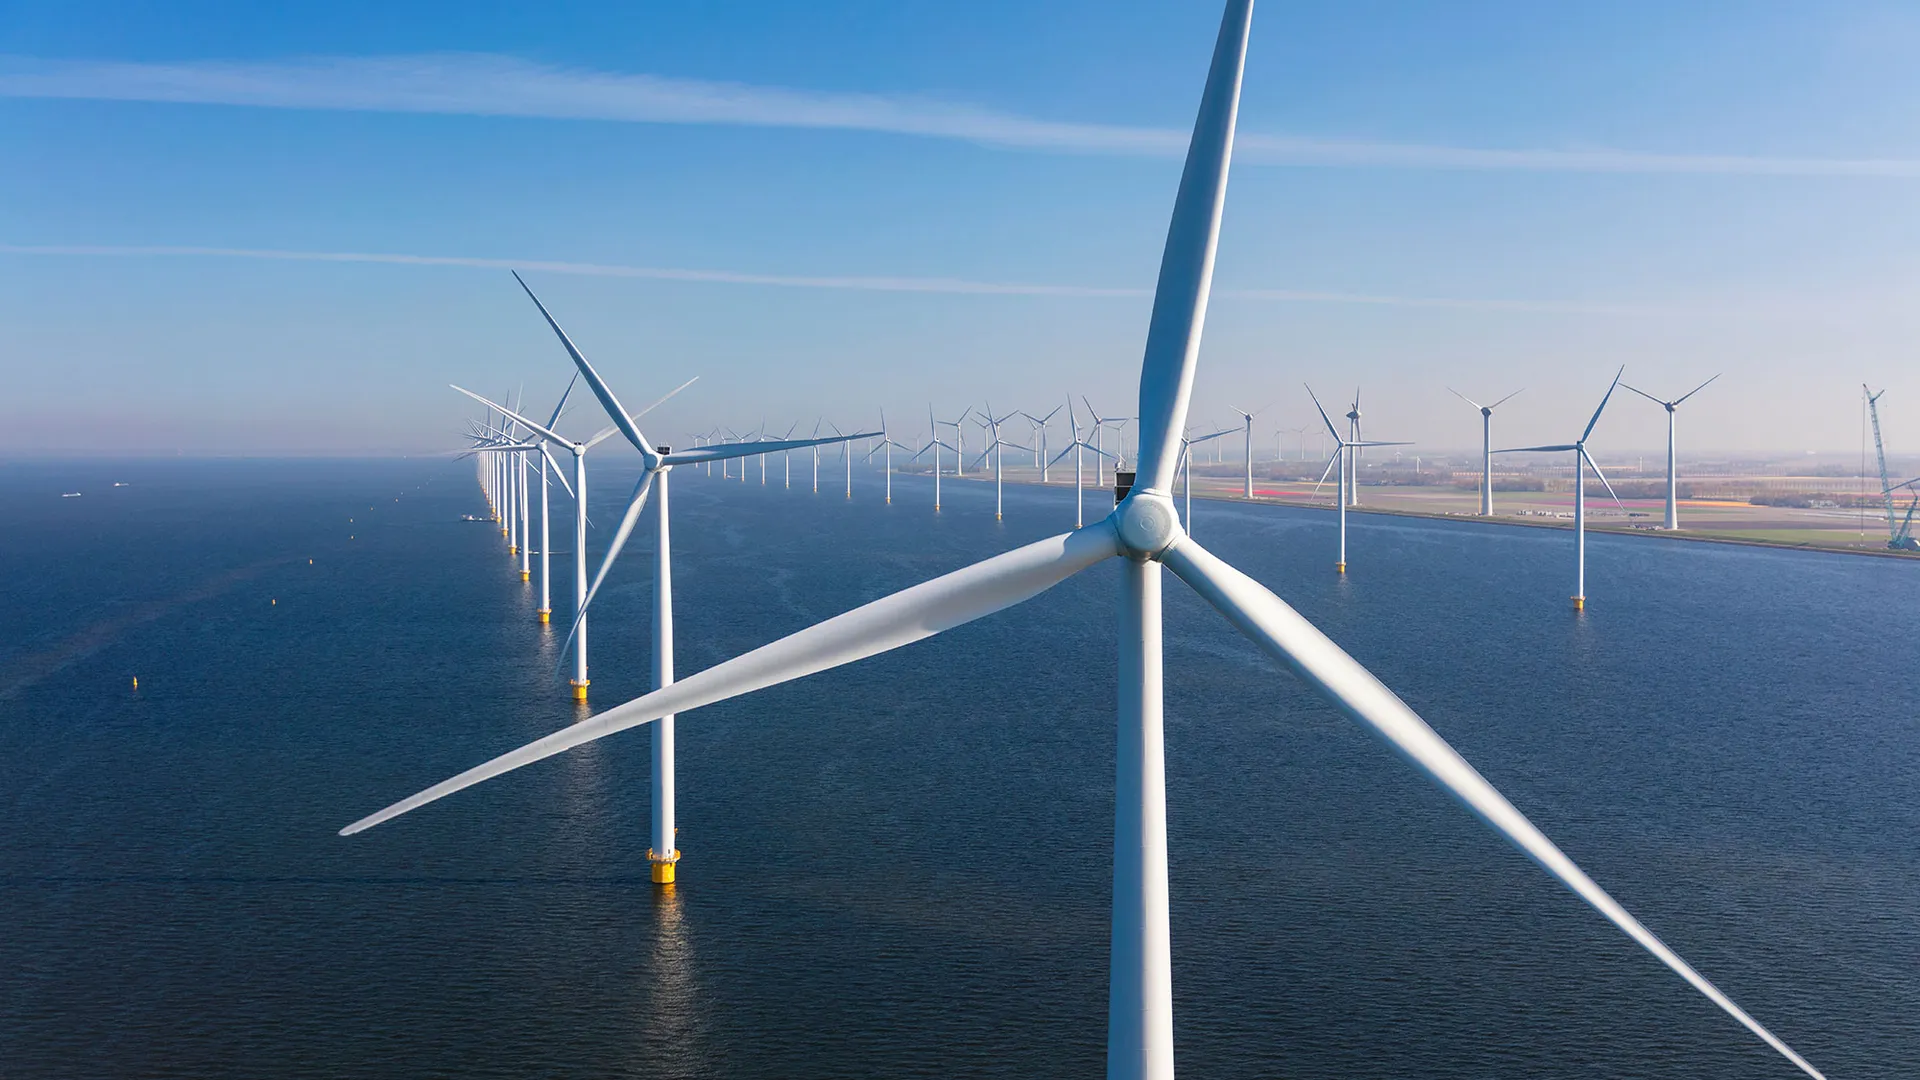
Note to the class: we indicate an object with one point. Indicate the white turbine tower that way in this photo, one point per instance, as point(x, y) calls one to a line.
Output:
point(1075, 447)
point(1248, 417)
point(959, 446)
point(1581, 459)
point(1673, 487)
point(1100, 424)
point(657, 465)
point(546, 536)
point(1143, 532)
point(996, 447)
point(886, 445)
point(1343, 453)
point(1486, 445)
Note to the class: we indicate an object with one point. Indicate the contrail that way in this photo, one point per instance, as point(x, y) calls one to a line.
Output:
point(949, 286)
point(479, 84)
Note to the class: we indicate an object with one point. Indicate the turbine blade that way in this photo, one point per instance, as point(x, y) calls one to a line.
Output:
point(1537, 449)
point(1287, 637)
point(888, 623)
point(627, 522)
point(598, 385)
point(1603, 403)
point(739, 450)
point(664, 398)
point(1334, 431)
point(564, 394)
point(1463, 397)
point(558, 472)
point(1602, 476)
point(602, 435)
point(1695, 390)
point(1328, 471)
point(509, 412)
point(1508, 398)
point(1186, 264)
point(1643, 393)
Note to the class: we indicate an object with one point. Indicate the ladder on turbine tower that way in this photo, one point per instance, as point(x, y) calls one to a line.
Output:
point(1899, 532)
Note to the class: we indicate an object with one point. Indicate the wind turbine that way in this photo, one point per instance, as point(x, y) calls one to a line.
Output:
point(1673, 489)
point(1581, 459)
point(1486, 444)
point(934, 444)
point(887, 444)
point(656, 465)
point(959, 446)
point(1248, 416)
point(846, 452)
point(1078, 444)
point(546, 542)
point(1099, 424)
point(1343, 451)
point(1353, 458)
point(1144, 533)
point(996, 447)
point(1040, 440)
point(1186, 469)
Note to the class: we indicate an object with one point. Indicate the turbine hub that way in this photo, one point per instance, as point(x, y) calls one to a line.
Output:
point(1146, 523)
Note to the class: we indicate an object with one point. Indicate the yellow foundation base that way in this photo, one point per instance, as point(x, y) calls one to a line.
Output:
point(663, 865)
point(513, 549)
point(545, 617)
point(523, 575)
point(1579, 603)
point(1339, 568)
point(579, 688)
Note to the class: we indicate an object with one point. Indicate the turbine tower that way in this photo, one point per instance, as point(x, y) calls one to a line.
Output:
point(1248, 417)
point(1143, 532)
point(1040, 457)
point(1186, 470)
point(1075, 447)
point(936, 445)
point(1486, 445)
point(1581, 459)
point(996, 446)
point(1673, 487)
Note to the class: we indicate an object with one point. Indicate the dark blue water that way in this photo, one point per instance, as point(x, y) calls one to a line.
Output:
point(901, 868)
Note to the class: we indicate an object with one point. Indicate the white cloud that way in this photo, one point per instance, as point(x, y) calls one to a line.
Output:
point(489, 85)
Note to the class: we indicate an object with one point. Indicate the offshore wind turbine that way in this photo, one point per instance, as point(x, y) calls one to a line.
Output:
point(1144, 533)
point(1343, 451)
point(1486, 444)
point(1100, 424)
point(959, 446)
point(1248, 417)
point(887, 444)
point(1040, 456)
point(1075, 447)
point(1581, 459)
point(935, 444)
point(1673, 487)
point(997, 448)
point(656, 466)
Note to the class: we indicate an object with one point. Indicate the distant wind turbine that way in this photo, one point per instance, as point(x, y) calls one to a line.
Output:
point(1581, 459)
point(1486, 445)
point(1673, 485)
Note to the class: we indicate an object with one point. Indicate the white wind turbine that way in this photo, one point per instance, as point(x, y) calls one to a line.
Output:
point(1075, 447)
point(1581, 459)
point(935, 444)
point(1486, 444)
point(1673, 501)
point(656, 466)
point(1186, 469)
point(1040, 456)
point(887, 444)
point(786, 456)
point(1100, 424)
point(1343, 452)
point(996, 447)
point(959, 446)
point(1248, 417)
point(1143, 533)
point(546, 542)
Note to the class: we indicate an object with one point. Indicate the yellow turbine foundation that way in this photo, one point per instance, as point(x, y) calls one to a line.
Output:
point(1339, 568)
point(523, 575)
point(544, 613)
point(1579, 603)
point(663, 865)
point(579, 688)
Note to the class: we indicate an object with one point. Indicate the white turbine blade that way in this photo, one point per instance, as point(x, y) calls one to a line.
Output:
point(1186, 263)
point(1283, 634)
point(1603, 403)
point(1060, 455)
point(1328, 471)
point(602, 435)
point(1215, 435)
point(740, 450)
point(1643, 393)
point(1377, 443)
point(599, 387)
point(666, 397)
point(1537, 449)
point(1602, 476)
point(1464, 397)
point(1508, 398)
point(516, 416)
point(1323, 415)
point(558, 472)
point(627, 522)
point(888, 623)
point(1694, 391)
point(564, 395)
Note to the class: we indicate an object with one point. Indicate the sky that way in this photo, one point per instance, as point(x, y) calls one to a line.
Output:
point(283, 229)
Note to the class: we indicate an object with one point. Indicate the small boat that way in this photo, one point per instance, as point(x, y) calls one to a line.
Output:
point(471, 517)
point(121, 483)
point(69, 494)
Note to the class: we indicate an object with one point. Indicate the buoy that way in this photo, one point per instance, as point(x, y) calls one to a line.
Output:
point(136, 682)
point(309, 562)
point(275, 602)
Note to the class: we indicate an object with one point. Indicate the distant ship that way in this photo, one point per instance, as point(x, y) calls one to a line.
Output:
point(121, 483)
point(69, 494)
point(471, 517)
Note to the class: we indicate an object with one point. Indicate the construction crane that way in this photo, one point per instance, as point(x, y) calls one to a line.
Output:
point(1899, 532)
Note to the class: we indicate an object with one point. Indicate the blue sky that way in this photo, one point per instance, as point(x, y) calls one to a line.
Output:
point(1486, 196)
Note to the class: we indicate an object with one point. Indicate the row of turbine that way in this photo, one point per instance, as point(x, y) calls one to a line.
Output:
point(1144, 533)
